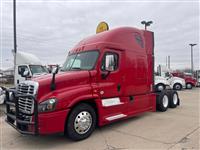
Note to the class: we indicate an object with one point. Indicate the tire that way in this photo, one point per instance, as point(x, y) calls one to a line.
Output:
point(160, 87)
point(177, 87)
point(162, 101)
point(173, 99)
point(82, 115)
point(189, 86)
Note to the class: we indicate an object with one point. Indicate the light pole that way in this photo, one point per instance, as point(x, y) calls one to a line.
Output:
point(146, 23)
point(192, 66)
point(14, 33)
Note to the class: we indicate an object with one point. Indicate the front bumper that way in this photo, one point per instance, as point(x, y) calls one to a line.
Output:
point(44, 123)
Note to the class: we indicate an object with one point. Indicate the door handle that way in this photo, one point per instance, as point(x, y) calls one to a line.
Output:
point(118, 87)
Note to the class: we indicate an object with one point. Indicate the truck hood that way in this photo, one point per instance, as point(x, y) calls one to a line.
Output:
point(177, 78)
point(63, 81)
point(162, 80)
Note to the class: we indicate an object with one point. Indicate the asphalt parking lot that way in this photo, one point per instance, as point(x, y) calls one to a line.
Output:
point(175, 129)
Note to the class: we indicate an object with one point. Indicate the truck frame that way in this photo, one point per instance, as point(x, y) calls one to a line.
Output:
point(106, 77)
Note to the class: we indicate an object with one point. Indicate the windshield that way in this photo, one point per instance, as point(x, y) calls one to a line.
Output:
point(37, 69)
point(80, 61)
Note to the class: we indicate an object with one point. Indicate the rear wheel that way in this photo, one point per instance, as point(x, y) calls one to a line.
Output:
point(173, 99)
point(81, 122)
point(162, 101)
point(177, 86)
point(189, 86)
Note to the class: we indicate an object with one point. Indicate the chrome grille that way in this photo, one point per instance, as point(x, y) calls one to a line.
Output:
point(26, 105)
point(25, 89)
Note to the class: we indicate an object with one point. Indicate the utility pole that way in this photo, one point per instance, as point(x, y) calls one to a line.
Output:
point(192, 65)
point(14, 33)
point(146, 23)
point(168, 62)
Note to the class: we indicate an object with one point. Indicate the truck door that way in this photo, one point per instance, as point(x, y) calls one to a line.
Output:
point(110, 82)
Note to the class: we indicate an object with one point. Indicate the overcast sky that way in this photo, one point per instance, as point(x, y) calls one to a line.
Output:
point(49, 29)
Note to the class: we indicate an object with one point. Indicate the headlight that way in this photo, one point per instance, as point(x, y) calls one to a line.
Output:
point(48, 105)
point(11, 96)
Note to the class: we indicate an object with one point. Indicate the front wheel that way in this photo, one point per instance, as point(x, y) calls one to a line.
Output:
point(81, 122)
point(177, 86)
point(189, 86)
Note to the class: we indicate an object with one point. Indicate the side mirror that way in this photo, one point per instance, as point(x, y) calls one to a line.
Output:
point(55, 70)
point(109, 63)
point(25, 74)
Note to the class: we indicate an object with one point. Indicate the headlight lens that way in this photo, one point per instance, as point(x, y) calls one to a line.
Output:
point(48, 105)
point(11, 96)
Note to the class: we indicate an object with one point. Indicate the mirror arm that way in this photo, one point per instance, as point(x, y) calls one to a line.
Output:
point(53, 84)
point(105, 75)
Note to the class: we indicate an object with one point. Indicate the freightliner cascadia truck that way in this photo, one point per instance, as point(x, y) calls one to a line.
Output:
point(105, 78)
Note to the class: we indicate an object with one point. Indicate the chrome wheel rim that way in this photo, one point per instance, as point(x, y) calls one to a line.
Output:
point(165, 101)
point(178, 87)
point(160, 87)
point(189, 86)
point(175, 99)
point(83, 122)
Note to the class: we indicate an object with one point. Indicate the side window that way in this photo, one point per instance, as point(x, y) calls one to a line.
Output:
point(21, 69)
point(110, 62)
point(139, 40)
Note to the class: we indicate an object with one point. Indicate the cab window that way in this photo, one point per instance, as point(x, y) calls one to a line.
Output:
point(21, 69)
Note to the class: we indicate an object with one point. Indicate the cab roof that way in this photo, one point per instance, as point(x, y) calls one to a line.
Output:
point(123, 38)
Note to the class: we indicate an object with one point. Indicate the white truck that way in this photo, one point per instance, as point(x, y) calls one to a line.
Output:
point(27, 64)
point(175, 83)
point(160, 83)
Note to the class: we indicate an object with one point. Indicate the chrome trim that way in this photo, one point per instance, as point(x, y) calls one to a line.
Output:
point(26, 105)
point(111, 118)
point(34, 83)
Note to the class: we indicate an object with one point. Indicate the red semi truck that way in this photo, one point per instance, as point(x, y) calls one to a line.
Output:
point(189, 79)
point(105, 78)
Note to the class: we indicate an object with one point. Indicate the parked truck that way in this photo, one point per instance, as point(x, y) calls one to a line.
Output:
point(27, 66)
point(160, 83)
point(30, 65)
point(189, 79)
point(105, 78)
point(175, 83)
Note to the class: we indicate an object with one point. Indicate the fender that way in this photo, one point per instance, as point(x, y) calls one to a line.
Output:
point(83, 98)
point(68, 97)
point(190, 83)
